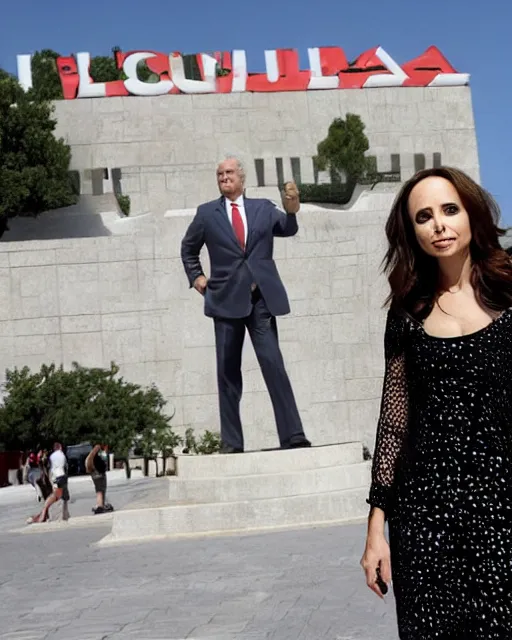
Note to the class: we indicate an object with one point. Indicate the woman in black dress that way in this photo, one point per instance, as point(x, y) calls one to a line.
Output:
point(442, 468)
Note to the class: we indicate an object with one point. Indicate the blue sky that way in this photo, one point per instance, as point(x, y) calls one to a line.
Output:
point(475, 39)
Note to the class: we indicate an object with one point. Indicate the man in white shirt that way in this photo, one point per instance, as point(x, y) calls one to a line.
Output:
point(59, 480)
point(58, 463)
point(244, 293)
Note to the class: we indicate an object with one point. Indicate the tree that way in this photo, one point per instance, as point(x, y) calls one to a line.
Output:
point(104, 69)
point(155, 436)
point(156, 441)
point(81, 405)
point(343, 150)
point(160, 438)
point(166, 442)
point(34, 165)
point(46, 83)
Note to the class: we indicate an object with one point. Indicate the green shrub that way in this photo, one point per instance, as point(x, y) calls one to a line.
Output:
point(328, 193)
point(124, 203)
point(209, 442)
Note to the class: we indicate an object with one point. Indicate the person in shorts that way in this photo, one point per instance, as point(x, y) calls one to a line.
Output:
point(59, 479)
point(96, 464)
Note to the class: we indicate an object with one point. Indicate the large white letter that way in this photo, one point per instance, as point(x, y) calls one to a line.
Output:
point(87, 88)
point(239, 64)
point(208, 85)
point(395, 79)
point(25, 71)
point(272, 65)
point(450, 80)
point(136, 86)
point(318, 80)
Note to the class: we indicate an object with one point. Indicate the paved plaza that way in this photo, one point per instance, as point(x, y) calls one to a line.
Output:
point(57, 583)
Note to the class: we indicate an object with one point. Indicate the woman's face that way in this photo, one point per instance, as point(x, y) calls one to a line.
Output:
point(440, 222)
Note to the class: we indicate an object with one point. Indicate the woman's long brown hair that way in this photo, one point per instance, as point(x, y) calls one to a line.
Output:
point(414, 276)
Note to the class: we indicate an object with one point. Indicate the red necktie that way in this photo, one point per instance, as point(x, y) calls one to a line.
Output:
point(238, 224)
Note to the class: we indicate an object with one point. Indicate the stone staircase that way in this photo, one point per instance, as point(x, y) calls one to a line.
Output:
point(254, 491)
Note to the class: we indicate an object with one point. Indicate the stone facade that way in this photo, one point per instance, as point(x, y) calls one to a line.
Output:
point(125, 298)
point(94, 300)
point(161, 151)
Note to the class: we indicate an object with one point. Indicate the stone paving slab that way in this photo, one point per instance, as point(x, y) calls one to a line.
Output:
point(293, 585)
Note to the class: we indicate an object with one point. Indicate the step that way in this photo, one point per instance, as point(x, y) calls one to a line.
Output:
point(265, 462)
point(230, 517)
point(274, 485)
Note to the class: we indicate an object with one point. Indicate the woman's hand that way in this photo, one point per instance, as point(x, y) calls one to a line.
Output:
point(376, 556)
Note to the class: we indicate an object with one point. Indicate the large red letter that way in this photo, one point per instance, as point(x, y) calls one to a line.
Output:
point(68, 73)
point(432, 69)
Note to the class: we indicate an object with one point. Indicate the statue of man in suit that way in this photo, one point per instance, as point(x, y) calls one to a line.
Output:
point(244, 292)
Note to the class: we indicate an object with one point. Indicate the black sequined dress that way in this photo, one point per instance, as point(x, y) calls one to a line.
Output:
point(442, 472)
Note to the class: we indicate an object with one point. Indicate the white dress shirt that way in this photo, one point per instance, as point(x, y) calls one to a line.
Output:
point(58, 464)
point(240, 203)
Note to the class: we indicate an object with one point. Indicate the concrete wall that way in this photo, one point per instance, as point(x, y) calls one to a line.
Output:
point(167, 146)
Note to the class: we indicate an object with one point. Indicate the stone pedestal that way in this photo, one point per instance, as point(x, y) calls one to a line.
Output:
point(255, 491)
